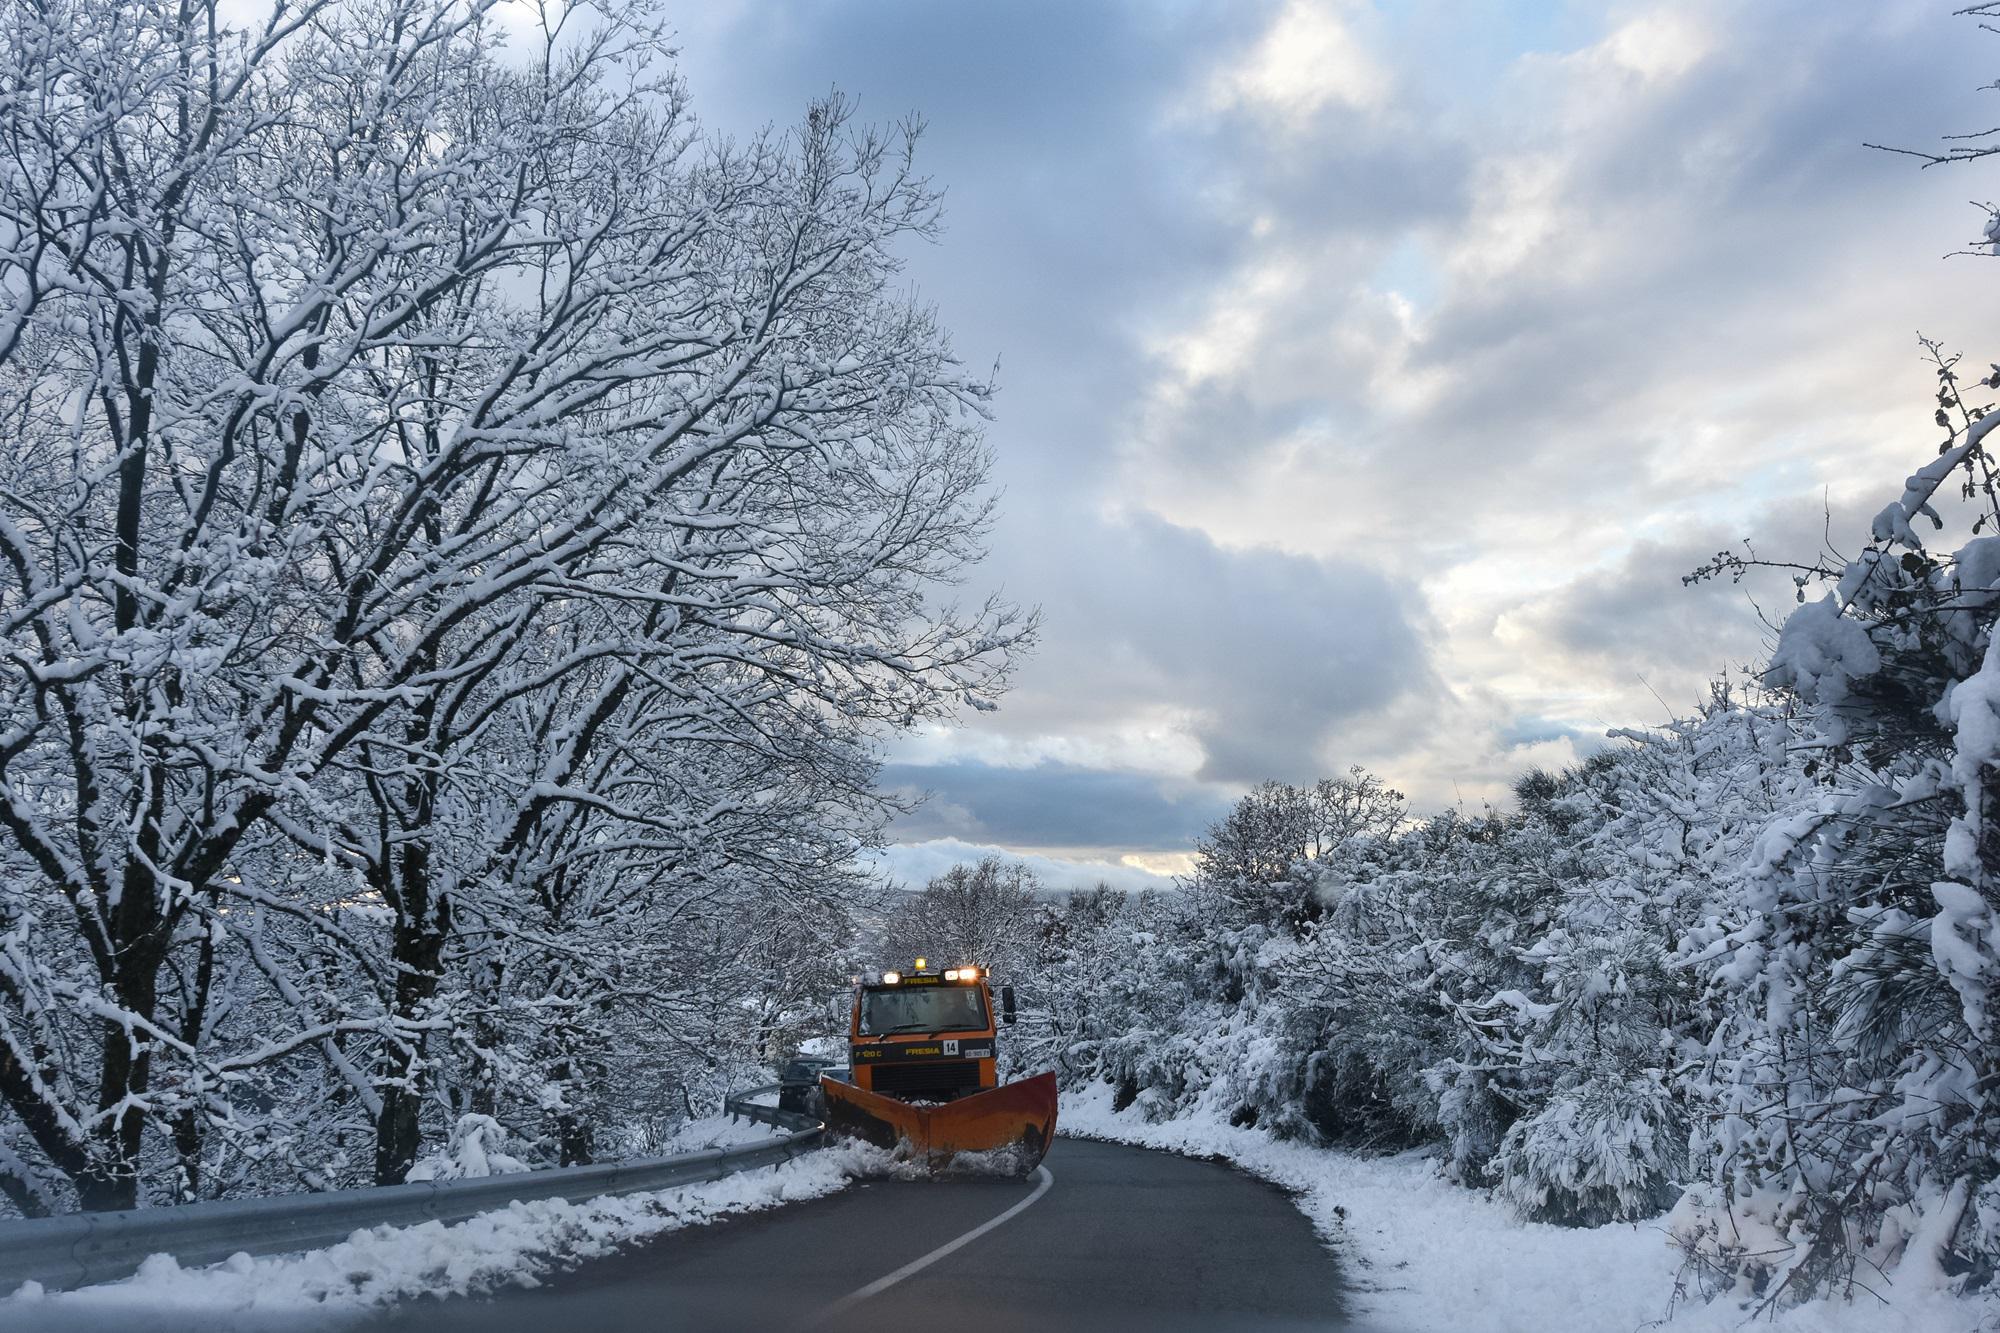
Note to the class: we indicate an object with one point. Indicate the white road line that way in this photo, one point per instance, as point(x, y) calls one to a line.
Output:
point(915, 1266)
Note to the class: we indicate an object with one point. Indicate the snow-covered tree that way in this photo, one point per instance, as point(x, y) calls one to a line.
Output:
point(1252, 860)
point(415, 443)
point(982, 913)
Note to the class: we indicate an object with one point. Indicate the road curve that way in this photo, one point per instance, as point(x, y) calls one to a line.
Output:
point(1121, 1238)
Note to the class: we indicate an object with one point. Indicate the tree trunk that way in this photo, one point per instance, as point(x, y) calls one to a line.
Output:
point(577, 1139)
point(111, 1182)
point(419, 947)
point(423, 924)
point(576, 1134)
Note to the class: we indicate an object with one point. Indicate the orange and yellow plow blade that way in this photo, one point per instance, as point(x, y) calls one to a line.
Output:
point(1019, 1116)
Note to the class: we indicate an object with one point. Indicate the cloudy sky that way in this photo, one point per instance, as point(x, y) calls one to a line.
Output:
point(1372, 373)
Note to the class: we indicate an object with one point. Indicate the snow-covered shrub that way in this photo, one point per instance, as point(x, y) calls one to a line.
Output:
point(1525, 991)
point(476, 1148)
point(1610, 1033)
point(1851, 1078)
point(1602, 1151)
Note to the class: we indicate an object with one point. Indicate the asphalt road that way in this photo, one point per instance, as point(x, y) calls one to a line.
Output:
point(1116, 1238)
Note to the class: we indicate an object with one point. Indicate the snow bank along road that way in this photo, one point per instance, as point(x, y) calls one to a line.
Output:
point(1114, 1238)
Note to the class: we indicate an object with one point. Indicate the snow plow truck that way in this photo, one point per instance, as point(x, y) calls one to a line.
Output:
point(923, 1074)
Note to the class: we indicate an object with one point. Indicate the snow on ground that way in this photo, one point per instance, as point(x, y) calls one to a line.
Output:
point(1425, 1254)
point(343, 1283)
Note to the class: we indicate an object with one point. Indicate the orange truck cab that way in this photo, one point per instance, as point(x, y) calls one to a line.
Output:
point(923, 1071)
point(926, 1035)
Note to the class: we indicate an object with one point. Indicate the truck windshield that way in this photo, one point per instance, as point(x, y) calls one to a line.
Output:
point(925, 1009)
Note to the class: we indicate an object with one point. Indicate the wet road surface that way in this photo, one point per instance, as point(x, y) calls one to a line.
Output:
point(1117, 1238)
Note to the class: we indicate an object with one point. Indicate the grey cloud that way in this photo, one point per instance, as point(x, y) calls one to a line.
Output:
point(1745, 235)
point(1637, 616)
point(1082, 211)
point(1759, 271)
point(1271, 651)
point(1053, 805)
point(1748, 220)
point(1069, 203)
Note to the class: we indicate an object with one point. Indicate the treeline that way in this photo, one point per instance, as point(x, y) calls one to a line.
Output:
point(463, 530)
point(1519, 989)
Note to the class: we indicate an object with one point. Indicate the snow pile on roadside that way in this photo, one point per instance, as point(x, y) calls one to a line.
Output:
point(715, 1131)
point(512, 1246)
point(1423, 1253)
point(872, 1163)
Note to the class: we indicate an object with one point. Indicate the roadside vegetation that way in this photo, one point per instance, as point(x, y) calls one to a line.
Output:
point(1741, 970)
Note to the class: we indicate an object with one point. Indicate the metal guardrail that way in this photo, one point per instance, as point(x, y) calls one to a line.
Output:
point(77, 1249)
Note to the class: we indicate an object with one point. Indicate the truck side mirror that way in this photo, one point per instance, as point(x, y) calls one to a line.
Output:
point(1007, 1005)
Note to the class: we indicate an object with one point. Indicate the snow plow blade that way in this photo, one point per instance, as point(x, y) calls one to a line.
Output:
point(1018, 1117)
